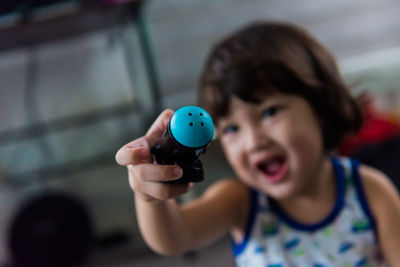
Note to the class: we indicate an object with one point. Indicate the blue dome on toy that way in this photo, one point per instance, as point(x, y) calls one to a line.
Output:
point(192, 126)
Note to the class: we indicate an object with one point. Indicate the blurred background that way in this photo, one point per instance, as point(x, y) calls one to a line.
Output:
point(81, 78)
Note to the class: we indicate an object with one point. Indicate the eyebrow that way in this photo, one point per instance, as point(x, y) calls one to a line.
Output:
point(221, 121)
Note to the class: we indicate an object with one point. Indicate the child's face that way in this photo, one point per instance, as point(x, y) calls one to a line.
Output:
point(275, 146)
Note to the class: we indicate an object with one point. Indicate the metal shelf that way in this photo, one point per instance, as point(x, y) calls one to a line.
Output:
point(29, 30)
point(80, 20)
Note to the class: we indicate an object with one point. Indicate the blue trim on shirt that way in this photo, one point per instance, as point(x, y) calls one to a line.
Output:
point(339, 203)
point(239, 248)
point(360, 192)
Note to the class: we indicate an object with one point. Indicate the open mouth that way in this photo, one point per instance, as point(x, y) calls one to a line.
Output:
point(273, 169)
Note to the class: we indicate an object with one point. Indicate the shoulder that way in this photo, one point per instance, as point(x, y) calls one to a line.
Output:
point(380, 191)
point(384, 201)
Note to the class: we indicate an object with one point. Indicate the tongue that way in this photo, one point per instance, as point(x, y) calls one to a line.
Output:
point(273, 167)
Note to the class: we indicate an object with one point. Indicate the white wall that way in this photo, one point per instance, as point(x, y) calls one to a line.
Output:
point(185, 29)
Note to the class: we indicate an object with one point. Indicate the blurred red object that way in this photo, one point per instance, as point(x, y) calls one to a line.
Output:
point(377, 127)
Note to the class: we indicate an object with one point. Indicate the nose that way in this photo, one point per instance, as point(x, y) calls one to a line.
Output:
point(256, 138)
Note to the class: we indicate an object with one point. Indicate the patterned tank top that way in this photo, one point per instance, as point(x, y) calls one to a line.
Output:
point(345, 238)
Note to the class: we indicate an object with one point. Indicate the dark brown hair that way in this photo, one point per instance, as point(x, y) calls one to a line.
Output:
point(269, 57)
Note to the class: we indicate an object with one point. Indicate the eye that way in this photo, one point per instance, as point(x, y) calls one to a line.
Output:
point(271, 111)
point(229, 129)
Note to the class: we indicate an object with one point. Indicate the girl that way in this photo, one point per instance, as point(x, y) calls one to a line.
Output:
point(280, 107)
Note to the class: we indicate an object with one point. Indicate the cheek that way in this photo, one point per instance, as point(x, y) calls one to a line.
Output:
point(233, 155)
point(229, 150)
point(302, 139)
point(306, 144)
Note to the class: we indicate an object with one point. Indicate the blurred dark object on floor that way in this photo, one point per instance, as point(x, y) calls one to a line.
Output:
point(52, 229)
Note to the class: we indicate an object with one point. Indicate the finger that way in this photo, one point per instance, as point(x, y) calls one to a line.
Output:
point(158, 127)
point(149, 172)
point(159, 191)
point(135, 152)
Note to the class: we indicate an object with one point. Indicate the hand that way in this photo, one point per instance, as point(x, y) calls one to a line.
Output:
point(146, 177)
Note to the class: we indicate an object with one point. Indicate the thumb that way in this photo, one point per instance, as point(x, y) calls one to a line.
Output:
point(138, 150)
point(135, 152)
point(157, 129)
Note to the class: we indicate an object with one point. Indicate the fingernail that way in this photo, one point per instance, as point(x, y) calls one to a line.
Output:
point(178, 171)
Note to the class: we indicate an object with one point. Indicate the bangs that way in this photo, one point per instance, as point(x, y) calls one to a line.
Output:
point(252, 82)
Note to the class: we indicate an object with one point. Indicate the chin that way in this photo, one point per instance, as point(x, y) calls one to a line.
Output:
point(280, 191)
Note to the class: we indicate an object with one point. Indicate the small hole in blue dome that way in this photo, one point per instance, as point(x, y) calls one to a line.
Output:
point(202, 124)
point(190, 114)
point(201, 114)
point(191, 124)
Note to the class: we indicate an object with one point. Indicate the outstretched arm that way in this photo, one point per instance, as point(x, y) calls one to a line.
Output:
point(172, 229)
point(167, 227)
